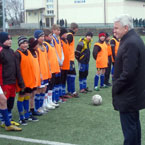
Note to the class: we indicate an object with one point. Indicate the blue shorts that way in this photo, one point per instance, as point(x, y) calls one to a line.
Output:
point(83, 67)
point(44, 83)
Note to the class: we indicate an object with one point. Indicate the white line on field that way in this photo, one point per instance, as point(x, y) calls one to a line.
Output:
point(32, 140)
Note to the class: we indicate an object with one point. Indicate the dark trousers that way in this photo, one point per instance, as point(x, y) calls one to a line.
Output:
point(64, 76)
point(107, 71)
point(131, 128)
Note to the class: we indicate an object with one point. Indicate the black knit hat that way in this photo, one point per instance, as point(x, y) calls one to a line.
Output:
point(89, 34)
point(3, 37)
point(22, 39)
point(107, 34)
point(62, 31)
point(32, 42)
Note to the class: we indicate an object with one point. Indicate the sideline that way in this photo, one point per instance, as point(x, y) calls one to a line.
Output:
point(32, 140)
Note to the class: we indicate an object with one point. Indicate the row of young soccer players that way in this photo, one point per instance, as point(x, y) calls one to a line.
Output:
point(40, 70)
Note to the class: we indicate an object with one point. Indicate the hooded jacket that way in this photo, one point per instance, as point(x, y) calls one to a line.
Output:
point(8, 67)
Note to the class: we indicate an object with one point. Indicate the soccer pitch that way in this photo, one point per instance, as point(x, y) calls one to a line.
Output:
point(75, 122)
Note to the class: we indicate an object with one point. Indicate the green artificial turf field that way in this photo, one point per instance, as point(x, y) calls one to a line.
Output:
point(77, 121)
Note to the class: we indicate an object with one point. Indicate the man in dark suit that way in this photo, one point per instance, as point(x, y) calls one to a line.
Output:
point(128, 90)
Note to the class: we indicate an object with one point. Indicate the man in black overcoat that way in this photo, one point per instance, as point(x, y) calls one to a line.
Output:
point(128, 90)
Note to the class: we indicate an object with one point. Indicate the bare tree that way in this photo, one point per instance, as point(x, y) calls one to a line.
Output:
point(14, 12)
point(1, 14)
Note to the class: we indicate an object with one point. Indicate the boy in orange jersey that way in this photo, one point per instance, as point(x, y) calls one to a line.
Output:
point(33, 45)
point(55, 69)
point(72, 72)
point(66, 63)
point(45, 73)
point(100, 54)
point(60, 57)
point(114, 42)
point(108, 69)
point(26, 67)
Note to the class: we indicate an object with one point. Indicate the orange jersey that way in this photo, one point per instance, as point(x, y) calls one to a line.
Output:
point(109, 49)
point(59, 50)
point(72, 48)
point(102, 56)
point(36, 70)
point(44, 65)
point(66, 51)
point(27, 70)
point(52, 58)
point(116, 47)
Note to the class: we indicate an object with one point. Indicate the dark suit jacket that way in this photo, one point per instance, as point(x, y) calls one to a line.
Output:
point(128, 90)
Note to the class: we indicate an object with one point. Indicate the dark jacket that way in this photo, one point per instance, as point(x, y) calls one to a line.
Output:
point(9, 71)
point(128, 90)
point(82, 53)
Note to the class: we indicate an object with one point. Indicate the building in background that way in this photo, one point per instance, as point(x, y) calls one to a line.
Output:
point(84, 12)
point(39, 12)
point(99, 11)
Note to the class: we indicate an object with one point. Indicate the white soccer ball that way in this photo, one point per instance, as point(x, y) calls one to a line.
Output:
point(97, 100)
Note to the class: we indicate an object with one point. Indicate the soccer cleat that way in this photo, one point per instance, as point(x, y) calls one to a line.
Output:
point(2, 125)
point(42, 110)
point(87, 89)
point(15, 123)
point(67, 96)
point(23, 122)
point(96, 89)
point(12, 123)
point(32, 118)
point(50, 102)
point(49, 106)
point(36, 113)
point(108, 84)
point(75, 95)
point(13, 128)
point(56, 105)
point(68, 93)
point(45, 110)
point(62, 100)
point(83, 91)
point(104, 86)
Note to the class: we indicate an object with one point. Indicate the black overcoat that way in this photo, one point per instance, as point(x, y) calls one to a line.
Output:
point(128, 89)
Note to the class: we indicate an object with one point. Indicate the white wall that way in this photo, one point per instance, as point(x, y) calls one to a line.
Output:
point(32, 4)
point(92, 11)
point(135, 9)
point(113, 9)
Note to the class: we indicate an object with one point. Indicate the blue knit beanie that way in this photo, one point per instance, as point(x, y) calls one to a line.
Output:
point(38, 33)
point(3, 37)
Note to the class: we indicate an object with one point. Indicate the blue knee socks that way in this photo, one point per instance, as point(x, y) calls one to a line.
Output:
point(5, 116)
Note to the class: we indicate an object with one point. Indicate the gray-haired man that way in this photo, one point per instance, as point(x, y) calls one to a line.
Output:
point(129, 81)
